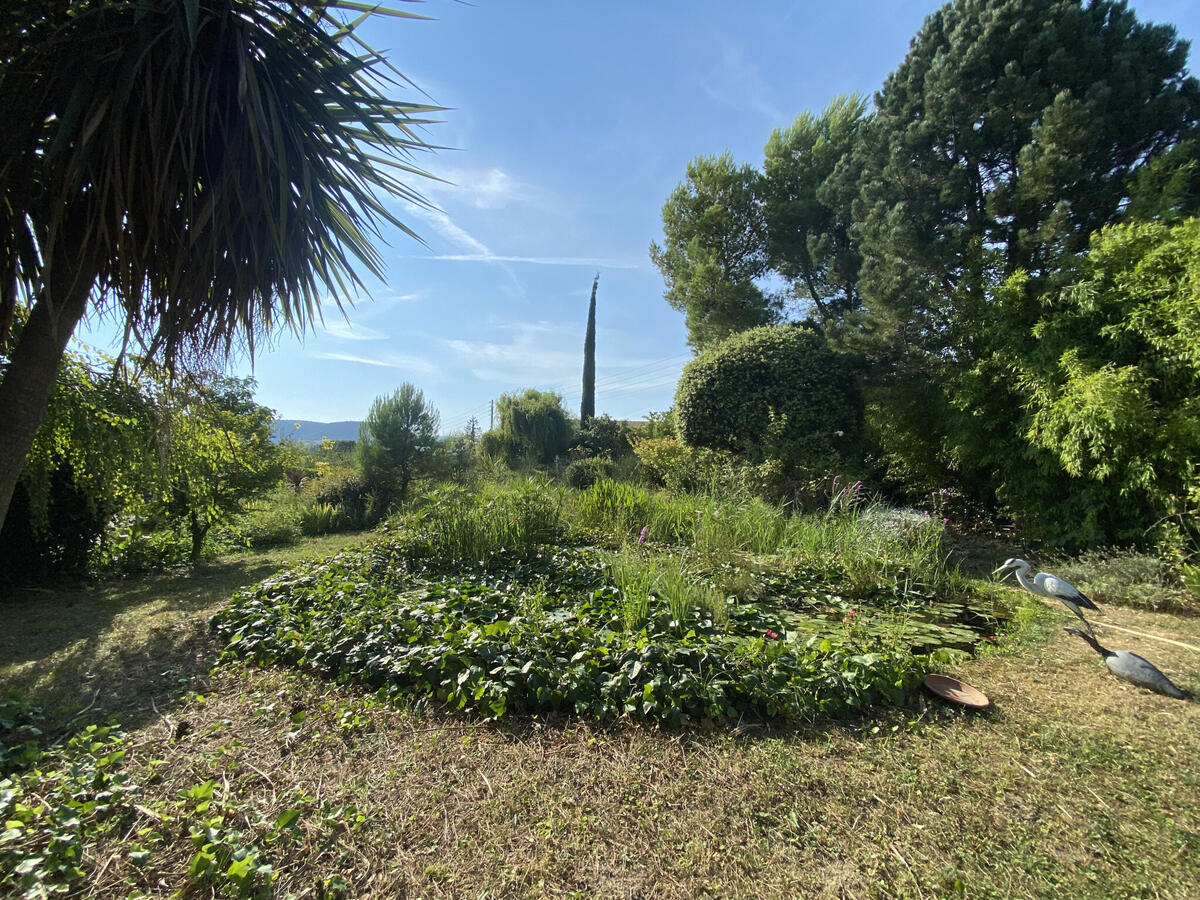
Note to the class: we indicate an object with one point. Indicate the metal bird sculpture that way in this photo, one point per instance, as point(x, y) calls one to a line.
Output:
point(1132, 668)
point(1046, 585)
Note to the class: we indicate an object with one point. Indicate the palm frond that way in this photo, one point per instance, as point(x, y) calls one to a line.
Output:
point(221, 161)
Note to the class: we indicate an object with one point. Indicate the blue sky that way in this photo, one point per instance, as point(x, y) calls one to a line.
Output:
point(572, 122)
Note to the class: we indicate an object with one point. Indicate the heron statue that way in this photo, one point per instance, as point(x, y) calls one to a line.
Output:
point(1046, 585)
point(1133, 668)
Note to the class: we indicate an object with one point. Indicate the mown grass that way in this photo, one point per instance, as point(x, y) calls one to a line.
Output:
point(121, 644)
point(1073, 784)
point(1128, 578)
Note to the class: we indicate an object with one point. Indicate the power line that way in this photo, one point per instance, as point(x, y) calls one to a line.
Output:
point(624, 381)
point(657, 367)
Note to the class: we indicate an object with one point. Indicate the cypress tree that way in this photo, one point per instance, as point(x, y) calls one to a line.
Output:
point(587, 408)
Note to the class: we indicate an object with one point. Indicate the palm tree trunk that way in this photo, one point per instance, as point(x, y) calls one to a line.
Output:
point(33, 367)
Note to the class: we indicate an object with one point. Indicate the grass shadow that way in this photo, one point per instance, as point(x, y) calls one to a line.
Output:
point(124, 647)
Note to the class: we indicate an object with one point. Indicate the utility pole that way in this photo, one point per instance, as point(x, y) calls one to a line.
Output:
point(491, 414)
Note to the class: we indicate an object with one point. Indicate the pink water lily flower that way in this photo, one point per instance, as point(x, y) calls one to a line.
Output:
point(773, 635)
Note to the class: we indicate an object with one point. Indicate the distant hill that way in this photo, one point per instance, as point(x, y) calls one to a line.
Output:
point(315, 432)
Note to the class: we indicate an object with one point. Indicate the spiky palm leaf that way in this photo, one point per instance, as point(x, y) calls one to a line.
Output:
point(218, 162)
point(203, 170)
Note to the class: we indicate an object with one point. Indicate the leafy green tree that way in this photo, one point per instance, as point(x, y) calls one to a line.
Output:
point(603, 436)
point(397, 442)
point(455, 457)
point(92, 458)
point(1167, 187)
point(534, 426)
point(807, 213)
point(216, 450)
point(587, 406)
point(215, 207)
point(714, 249)
point(1111, 386)
point(1012, 132)
point(1005, 139)
point(772, 392)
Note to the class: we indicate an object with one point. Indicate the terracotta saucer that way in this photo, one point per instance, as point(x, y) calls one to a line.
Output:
point(956, 691)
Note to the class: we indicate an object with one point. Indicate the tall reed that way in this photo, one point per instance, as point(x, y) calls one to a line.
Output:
point(862, 542)
point(458, 524)
point(639, 575)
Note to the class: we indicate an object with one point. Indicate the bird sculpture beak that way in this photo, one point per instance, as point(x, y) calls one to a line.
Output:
point(999, 570)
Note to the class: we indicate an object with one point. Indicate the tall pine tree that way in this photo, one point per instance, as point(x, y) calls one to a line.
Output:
point(1013, 131)
point(714, 249)
point(1007, 137)
point(587, 408)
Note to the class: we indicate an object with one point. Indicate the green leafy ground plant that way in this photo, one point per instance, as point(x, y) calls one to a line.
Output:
point(54, 807)
point(560, 630)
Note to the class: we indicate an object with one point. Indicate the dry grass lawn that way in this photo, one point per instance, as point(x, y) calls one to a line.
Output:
point(1074, 784)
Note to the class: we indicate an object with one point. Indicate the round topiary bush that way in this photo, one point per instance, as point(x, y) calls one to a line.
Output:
point(776, 392)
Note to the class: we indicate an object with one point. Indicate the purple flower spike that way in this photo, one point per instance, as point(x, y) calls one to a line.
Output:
point(642, 536)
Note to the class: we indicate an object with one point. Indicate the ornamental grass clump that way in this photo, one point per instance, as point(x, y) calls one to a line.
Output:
point(647, 580)
point(872, 545)
point(621, 511)
point(459, 525)
point(751, 525)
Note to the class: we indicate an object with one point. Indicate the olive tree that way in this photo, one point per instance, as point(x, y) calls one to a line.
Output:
point(215, 450)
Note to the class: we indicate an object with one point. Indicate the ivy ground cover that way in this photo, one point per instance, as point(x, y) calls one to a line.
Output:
point(552, 628)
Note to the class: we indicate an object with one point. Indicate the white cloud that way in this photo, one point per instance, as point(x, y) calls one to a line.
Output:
point(389, 361)
point(463, 239)
point(736, 82)
point(549, 355)
point(348, 331)
point(534, 354)
point(585, 261)
point(444, 226)
point(488, 189)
